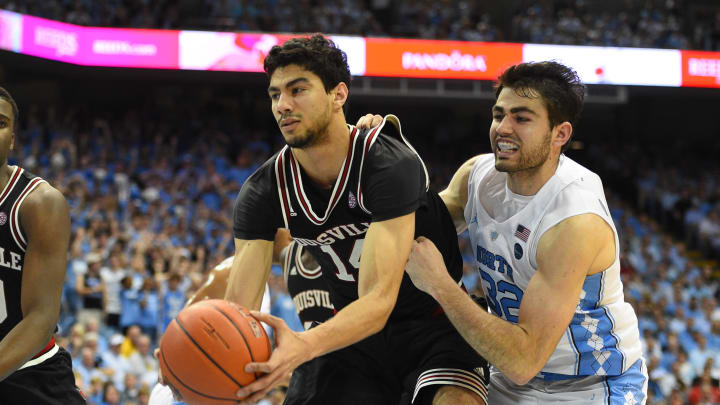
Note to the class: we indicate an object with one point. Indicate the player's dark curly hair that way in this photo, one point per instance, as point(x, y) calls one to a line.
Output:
point(559, 87)
point(316, 54)
point(5, 95)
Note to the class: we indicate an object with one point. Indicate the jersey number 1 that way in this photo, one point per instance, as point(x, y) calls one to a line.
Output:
point(354, 259)
point(3, 305)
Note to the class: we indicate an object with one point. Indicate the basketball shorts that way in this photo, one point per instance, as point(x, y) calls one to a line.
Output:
point(405, 363)
point(50, 382)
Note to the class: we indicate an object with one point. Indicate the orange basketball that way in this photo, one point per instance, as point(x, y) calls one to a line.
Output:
point(204, 351)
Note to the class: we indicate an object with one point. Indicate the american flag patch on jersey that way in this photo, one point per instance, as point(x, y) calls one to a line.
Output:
point(522, 233)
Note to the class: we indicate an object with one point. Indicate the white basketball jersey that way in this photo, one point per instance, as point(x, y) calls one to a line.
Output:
point(603, 337)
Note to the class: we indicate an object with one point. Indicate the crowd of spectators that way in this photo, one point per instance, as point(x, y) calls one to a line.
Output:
point(677, 24)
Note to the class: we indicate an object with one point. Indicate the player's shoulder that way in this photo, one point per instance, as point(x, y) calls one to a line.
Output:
point(261, 184)
point(265, 174)
point(42, 196)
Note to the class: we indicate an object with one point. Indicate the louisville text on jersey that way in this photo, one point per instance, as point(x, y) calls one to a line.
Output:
point(334, 234)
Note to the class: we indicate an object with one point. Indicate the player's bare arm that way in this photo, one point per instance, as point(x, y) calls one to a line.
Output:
point(217, 281)
point(385, 251)
point(456, 194)
point(45, 219)
point(249, 272)
point(567, 253)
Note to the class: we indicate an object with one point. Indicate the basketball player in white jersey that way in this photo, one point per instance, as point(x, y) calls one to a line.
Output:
point(547, 252)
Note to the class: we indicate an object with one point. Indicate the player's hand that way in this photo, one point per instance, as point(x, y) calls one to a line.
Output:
point(369, 121)
point(425, 265)
point(291, 351)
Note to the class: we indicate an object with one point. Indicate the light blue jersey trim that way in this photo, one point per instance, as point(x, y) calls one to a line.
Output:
point(629, 388)
point(592, 333)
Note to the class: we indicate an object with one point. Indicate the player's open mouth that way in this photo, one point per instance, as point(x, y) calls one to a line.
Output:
point(506, 148)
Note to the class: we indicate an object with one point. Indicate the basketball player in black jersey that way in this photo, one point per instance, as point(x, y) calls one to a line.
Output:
point(34, 238)
point(355, 200)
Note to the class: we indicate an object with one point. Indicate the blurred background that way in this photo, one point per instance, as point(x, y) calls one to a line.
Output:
point(151, 160)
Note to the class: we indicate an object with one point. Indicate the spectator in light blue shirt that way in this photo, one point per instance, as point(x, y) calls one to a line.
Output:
point(130, 305)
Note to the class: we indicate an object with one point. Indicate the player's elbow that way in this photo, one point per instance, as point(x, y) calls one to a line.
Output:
point(525, 370)
point(519, 377)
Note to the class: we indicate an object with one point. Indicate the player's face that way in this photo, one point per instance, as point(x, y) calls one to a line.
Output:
point(520, 134)
point(7, 122)
point(300, 104)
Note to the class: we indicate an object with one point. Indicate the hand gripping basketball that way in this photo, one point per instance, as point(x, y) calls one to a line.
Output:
point(204, 351)
point(291, 350)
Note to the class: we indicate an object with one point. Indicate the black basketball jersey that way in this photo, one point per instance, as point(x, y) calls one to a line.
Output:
point(306, 286)
point(382, 178)
point(12, 246)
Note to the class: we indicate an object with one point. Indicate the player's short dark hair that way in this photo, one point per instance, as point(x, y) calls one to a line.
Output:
point(5, 95)
point(317, 54)
point(559, 87)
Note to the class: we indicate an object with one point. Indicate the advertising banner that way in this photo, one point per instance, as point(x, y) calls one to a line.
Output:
point(94, 46)
point(10, 31)
point(439, 59)
point(700, 69)
point(245, 52)
point(604, 65)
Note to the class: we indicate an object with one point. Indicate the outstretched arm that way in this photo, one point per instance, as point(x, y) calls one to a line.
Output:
point(45, 218)
point(567, 253)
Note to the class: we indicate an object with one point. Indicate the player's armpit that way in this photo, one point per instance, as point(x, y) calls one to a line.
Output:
point(456, 194)
point(566, 254)
point(249, 272)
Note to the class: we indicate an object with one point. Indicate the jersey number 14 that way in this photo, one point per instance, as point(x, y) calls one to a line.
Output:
point(354, 260)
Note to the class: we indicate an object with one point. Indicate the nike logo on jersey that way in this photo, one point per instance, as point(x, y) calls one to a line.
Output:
point(339, 232)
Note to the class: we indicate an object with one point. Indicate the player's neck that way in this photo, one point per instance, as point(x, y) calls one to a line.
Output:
point(322, 162)
point(5, 171)
point(529, 182)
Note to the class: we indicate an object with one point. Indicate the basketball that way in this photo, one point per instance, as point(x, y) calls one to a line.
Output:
point(204, 351)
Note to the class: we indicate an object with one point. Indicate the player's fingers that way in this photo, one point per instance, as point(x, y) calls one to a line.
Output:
point(259, 368)
point(263, 383)
point(259, 394)
point(273, 321)
point(364, 121)
point(376, 120)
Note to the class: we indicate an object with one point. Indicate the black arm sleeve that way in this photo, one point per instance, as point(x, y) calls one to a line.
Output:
point(393, 180)
point(256, 214)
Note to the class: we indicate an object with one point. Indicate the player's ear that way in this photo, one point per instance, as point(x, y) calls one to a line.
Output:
point(340, 95)
point(562, 134)
point(12, 141)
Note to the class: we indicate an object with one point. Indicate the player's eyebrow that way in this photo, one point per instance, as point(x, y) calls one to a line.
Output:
point(514, 110)
point(289, 84)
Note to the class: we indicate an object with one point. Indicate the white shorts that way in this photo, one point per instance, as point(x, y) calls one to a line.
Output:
point(162, 395)
point(627, 388)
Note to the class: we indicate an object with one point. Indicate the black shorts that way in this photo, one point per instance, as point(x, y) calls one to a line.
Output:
point(407, 362)
point(51, 382)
